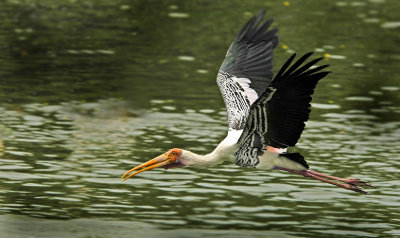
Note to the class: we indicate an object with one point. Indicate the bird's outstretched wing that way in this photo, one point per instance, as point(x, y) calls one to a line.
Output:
point(247, 69)
point(277, 117)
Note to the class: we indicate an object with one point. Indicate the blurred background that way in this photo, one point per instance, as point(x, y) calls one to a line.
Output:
point(89, 89)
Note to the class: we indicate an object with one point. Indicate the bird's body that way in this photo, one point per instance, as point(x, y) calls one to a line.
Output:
point(265, 114)
point(225, 150)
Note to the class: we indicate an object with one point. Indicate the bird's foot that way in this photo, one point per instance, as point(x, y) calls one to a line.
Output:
point(354, 188)
point(357, 182)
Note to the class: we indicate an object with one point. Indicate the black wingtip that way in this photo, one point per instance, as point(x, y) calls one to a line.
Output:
point(298, 69)
point(255, 31)
point(261, 12)
point(285, 66)
point(309, 53)
point(297, 64)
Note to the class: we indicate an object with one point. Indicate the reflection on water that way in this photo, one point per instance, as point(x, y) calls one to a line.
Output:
point(78, 109)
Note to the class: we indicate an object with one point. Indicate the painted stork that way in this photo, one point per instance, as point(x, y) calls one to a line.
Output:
point(265, 115)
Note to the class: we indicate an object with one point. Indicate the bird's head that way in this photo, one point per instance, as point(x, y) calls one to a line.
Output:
point(171, 159)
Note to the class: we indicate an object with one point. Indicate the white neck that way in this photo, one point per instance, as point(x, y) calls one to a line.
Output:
point(224, 151)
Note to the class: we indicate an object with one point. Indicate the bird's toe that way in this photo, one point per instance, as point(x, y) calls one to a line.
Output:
point(358, 182)
point(355, 188)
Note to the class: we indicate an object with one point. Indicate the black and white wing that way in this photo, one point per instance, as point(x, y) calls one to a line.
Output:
point(247, 69)
point(278, 116)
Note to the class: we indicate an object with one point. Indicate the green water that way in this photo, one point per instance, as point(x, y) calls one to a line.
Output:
point(89, 89)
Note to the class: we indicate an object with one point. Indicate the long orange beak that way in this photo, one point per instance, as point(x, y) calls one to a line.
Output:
point(159, 161)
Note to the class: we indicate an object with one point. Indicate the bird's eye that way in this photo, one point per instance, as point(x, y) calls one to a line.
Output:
point(173, 153)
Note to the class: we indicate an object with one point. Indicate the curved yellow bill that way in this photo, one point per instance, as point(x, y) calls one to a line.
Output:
point(159, 161)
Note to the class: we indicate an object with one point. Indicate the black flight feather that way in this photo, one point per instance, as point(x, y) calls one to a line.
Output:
point(278, 116)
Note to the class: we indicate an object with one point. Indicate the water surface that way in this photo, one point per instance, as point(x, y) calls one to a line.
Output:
point(90, 89)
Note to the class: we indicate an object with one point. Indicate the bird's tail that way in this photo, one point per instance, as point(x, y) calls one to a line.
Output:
point(295, 157)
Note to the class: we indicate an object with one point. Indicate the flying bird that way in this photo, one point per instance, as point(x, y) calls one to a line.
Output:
point(266, 114)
